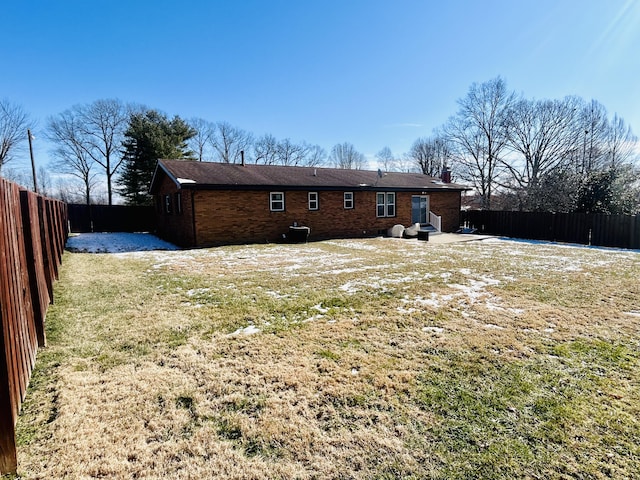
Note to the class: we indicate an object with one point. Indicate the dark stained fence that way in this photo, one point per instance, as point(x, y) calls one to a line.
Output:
point(32, 238)
point(111, 218)
point(621, 231)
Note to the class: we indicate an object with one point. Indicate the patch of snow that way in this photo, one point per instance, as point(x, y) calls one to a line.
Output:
point(320, 308)
point(549, 243)
point(406, 311)
point(471, 291)
point(354, 371)
point(494, 307)
point(197, 291)
point(489, 281)
point(357, 269)
point(276, 295)
point(353, 245)
point(349, 287)
point(116, 243)
point(633, 313)
point(493, 326)
point(250, 330)
point(433, 329)
point(434, 301)
point(573, 268)
point(185, 180)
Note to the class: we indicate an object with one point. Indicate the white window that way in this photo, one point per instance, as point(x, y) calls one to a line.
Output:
point(276, 201)
point(386, 204)
point(313, 201)
point(391, 204)
point(348, 200)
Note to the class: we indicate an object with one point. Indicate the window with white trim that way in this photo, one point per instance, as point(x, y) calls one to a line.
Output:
point(314, 204)
point(276, 201)
point(386, 204)
point(348, 200)
point(167, 204)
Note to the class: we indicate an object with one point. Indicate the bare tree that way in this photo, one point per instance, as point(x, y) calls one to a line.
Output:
point(291, 154)
point(406, 164)
point(98, 130)
point(315, 155)
point(17, 175)
point(200, 143)
point(477, 134)
point(386, 160)
point(44, 181)
point(69, 190)
point(345, 155)
point(265, 150)
point(270, 151)
point(228, 141)
point(621, 144)
point(594, 128)
point(14, 123)
point(541, 134)
point(431, 155)
point(103, 123)
point(71, 155)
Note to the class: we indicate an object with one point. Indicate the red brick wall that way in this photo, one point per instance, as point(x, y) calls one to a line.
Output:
point(175, 227)
point(446, 205)
point(223, 217)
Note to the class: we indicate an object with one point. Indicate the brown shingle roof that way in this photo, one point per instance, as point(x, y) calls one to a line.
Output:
point(208, 175)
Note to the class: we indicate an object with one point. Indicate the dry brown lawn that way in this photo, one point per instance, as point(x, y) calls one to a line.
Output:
point(362, 359)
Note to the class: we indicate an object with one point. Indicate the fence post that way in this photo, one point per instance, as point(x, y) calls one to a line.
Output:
point(9, 354)
point(8, 456)
point(35, 266)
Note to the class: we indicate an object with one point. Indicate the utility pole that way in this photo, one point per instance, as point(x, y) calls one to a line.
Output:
point(33, 164)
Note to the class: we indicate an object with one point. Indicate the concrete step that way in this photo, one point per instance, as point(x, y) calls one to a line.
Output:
point(427, 227)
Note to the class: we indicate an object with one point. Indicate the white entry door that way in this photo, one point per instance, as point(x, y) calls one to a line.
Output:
point(420, 209)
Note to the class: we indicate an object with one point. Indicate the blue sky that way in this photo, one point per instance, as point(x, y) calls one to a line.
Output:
point(374, 73)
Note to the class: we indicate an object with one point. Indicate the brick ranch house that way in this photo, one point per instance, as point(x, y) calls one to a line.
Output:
point(201, 204)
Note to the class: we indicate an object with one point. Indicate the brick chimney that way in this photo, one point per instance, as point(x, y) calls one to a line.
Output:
point(446, 174)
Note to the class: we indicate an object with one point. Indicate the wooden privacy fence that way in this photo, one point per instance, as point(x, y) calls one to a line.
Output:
point(32, 238)
point(621, 231)
point(111, 218)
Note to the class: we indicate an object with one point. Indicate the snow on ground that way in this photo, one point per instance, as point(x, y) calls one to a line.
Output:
point(249, 330)
point(116, 242)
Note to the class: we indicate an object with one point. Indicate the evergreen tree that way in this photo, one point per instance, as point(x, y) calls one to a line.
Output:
point(611, 191)
point(150, 136)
